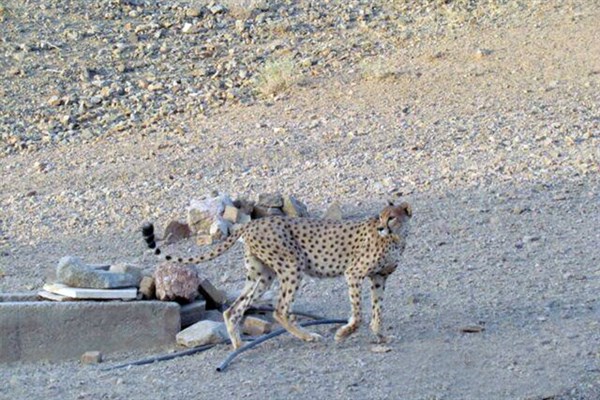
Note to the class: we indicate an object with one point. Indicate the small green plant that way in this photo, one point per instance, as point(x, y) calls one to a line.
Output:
point(377, 69)
point(276, 76)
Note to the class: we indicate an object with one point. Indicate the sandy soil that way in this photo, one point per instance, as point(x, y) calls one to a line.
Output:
point(492, 133)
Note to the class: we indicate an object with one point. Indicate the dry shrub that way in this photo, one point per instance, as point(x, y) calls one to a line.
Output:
point(243, 9)
point(276, 76)
point(377, 69)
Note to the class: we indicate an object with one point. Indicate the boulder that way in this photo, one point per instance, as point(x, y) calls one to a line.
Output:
point(175, 282)
point(75, 273)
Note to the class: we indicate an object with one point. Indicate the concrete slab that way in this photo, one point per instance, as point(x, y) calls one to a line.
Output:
point(43, 330)
point(18, 296)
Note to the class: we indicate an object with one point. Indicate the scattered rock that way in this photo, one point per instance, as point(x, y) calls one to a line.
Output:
point(91, 357)
point(270, 200)
point(176, 282)
point(481, 53)
point(193, 12)
point(381, 349)
point(204, 240)
point(254, 326)
point(202, 213)
point(217, 9)
point(176, 231)
point(517, 210)
point(334, 212)
point(232, 214)
point(203, 332)
point(55, 101)
point(530, 238)
point(188, 28)
point(73, 272)
point(293, 207)
point(220, 229)
point(472, 329)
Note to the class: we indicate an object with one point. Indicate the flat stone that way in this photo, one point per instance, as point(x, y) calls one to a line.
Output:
point(293, 207)
point(203, 332)
point(73, 272)
point(47, 330)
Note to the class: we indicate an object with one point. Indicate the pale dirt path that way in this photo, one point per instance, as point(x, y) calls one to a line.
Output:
point(481, 136)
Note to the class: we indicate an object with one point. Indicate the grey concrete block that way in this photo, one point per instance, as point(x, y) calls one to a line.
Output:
point(18, 296)
point(32, 331)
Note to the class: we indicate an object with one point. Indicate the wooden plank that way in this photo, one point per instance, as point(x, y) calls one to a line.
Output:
point(84, 293)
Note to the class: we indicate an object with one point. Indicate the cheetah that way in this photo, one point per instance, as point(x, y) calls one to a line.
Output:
point(286, 248)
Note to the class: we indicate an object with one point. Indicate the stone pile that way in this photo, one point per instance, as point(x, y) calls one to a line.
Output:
point(210, 219)
point(217, 216)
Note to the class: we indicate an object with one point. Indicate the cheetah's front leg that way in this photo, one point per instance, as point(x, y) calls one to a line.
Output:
point(354, 280)
point(377, 289)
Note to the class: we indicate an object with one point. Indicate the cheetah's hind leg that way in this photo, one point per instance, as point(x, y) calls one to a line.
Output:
point(289, 284)
point(258, 280)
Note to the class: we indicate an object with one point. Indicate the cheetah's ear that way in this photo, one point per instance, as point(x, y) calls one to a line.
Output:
point(406, 208)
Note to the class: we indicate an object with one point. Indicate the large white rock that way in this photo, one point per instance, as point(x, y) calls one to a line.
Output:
point(203, 332)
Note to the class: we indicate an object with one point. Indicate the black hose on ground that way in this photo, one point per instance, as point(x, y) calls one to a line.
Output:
point(165, 357)
point(271, 335)
point(271, 309)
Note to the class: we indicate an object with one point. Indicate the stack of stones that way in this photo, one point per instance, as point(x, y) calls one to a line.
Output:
point(216, 217)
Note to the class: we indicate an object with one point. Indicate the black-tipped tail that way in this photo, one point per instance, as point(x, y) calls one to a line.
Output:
point(148, 233)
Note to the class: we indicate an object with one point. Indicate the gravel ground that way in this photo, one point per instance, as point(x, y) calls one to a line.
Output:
point(486, 119)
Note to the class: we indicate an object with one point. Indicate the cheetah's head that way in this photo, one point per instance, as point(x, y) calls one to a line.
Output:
point(394, 220)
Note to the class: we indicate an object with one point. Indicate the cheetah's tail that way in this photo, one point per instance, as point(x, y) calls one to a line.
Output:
point(148, 233)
